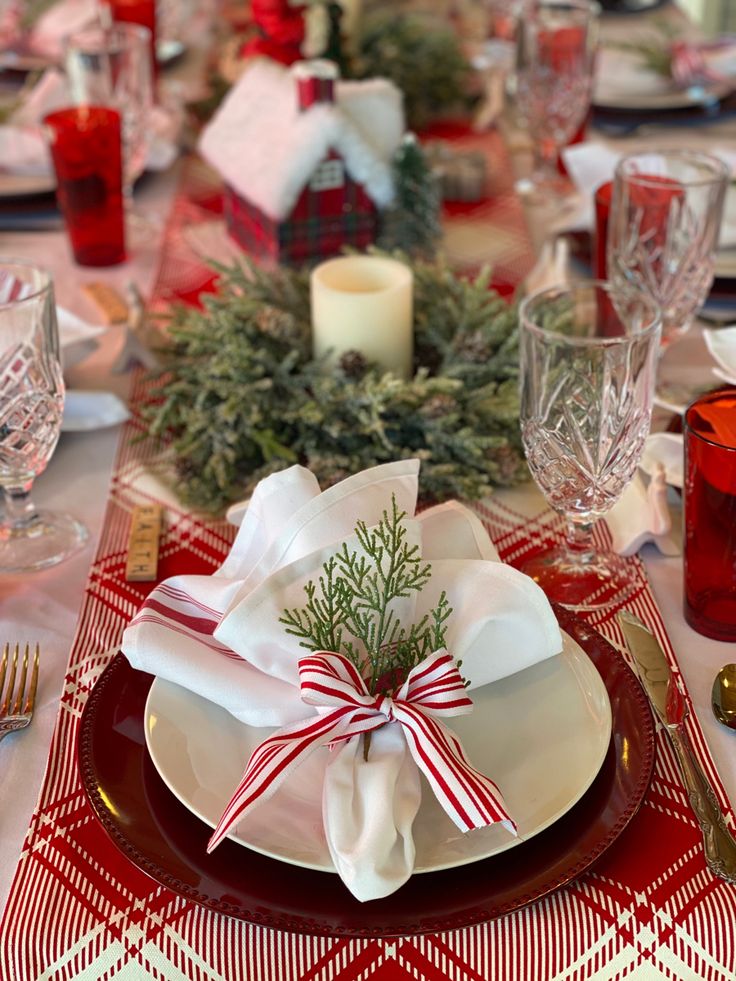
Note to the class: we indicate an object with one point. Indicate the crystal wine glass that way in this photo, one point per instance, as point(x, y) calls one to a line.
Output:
point(31, 406)
point(588, 362)
point(111, 66)
point(663, 230)
point(553, 83)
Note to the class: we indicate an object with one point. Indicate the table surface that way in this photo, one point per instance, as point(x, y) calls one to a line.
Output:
point(44, 607)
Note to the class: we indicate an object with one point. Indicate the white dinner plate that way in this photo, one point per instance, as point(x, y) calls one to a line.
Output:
point(541, 735)
point(623, 82)
point(25, 185)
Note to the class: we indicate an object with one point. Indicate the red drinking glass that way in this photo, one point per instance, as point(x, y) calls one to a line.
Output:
point(710, 515)
point(86, 151)
point(141, 12)
point(603, 197)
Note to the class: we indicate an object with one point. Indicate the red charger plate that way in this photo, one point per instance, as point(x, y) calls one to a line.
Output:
point(165, 840)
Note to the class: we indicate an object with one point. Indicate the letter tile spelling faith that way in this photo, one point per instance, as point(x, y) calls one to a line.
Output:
point(143, 542)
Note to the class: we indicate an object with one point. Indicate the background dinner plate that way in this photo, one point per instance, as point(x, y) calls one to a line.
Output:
point(166, 841)
point(725, 267)
point(25, 185)
point(623, 82)
point(519, 732)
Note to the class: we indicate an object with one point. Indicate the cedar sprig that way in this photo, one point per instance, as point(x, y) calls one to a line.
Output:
point(352, 608)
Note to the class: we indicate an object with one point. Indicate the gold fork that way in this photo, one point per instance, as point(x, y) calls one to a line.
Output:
point(16, 707)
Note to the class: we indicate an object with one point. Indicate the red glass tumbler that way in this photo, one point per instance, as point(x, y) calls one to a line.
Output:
point(86, 151)
point(710, 515)
point(141, 12)
point(603, 197)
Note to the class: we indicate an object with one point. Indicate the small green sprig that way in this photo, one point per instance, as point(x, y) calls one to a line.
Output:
point(350, 609)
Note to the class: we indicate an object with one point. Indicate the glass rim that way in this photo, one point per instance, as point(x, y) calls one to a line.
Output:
point(83, 109)
point(6, 261)
point(719, 171)
point(653, 326)
point(589, 6)
point(688, 430)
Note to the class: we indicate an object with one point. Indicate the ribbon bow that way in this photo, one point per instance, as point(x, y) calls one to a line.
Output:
point(432, 688)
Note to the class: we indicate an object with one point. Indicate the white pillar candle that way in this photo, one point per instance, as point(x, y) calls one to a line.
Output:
point(364, 303)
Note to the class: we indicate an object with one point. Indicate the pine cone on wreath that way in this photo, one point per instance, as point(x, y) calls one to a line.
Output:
point(353, 364)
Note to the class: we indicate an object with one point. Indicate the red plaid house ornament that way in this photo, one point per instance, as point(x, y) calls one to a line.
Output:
point(306, 159)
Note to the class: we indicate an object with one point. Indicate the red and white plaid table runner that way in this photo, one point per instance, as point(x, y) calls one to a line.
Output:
point(650, 909)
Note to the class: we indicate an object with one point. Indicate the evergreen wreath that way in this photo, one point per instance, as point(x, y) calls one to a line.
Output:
point(241, 395)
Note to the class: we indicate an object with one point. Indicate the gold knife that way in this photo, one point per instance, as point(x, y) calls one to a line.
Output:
point(670, 706)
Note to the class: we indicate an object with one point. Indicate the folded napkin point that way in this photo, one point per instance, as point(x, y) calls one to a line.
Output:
point(721, 344)
point(642, 515)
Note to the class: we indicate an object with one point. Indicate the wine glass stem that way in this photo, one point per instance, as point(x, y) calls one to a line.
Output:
point(579, 540)
point(547, 153)
point(20, 512)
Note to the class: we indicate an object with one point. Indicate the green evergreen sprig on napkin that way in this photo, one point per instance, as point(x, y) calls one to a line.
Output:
point(349, 611)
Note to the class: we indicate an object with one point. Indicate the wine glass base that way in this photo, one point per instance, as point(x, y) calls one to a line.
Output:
point(47, 539)
point(594, 581)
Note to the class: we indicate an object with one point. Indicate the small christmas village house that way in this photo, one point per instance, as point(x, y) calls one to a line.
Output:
point(306, 159)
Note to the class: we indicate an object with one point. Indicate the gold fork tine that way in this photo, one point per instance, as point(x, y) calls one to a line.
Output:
point(4, 666)
point(31, 700)
point(21, 683)
point(11, 682)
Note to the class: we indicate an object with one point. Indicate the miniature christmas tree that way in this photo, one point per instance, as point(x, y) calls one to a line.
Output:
point(412, 224)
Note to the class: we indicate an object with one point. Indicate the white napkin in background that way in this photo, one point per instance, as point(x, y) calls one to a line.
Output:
point(24, 151)
point(642, 514)
point(665, 450)
point(219, 636)
point(62, 18)
point(552, 267)
point(77, 338)
point(721, 343)
point(23, 146)
point(592, 164)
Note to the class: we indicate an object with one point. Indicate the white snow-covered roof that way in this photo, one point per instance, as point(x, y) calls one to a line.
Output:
point(267, 149)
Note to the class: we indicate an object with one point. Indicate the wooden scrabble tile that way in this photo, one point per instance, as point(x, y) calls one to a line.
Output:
point(143, 541)
point(107, 301)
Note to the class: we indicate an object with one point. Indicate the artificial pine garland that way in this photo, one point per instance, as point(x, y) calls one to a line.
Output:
point(242, 397)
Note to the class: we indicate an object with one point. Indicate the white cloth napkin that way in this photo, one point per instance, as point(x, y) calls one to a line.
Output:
point(77, 338)
point(62, 18)
point(592, 164)
point(642, 513)
point(219, 636)
point(552, 267)
point(23, 146)
point(721, 343)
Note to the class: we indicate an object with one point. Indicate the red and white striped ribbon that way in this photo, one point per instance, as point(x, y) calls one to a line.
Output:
point(13, 289)
point(689, 67)
point(433, 688)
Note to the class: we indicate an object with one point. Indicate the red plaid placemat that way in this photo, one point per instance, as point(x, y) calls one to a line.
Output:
point(650, 909)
